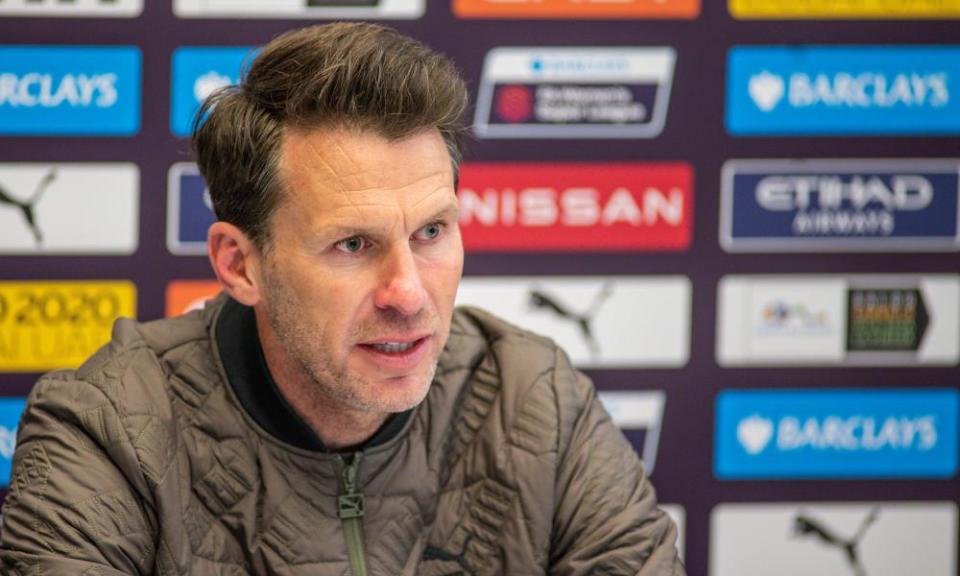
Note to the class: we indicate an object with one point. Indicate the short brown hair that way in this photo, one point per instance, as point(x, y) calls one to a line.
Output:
point(356, 75)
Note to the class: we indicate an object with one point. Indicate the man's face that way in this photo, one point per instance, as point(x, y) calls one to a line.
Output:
point(365, 256)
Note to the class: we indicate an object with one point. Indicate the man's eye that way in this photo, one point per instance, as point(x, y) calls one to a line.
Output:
point(352, 245)
point(431, 231)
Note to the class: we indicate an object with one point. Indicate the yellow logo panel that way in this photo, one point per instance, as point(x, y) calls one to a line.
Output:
point(58, 324)
point(842, 9)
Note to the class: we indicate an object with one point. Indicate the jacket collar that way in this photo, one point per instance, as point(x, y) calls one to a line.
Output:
point(249, 376)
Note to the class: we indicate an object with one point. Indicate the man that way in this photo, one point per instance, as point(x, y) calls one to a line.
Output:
point(330, 413)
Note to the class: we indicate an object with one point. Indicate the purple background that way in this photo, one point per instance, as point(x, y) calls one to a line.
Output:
point(694, 133)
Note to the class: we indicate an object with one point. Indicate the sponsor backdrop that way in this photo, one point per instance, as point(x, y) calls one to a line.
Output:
point(740, 218)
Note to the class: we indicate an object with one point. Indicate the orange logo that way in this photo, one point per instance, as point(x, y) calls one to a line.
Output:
point(187, 295)
point(577, 9)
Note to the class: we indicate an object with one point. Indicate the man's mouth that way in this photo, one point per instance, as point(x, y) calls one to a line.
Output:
point(395, 347)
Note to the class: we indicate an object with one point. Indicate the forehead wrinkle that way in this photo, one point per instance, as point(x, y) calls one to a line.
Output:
point(399, 188)
point(346, 165)
point(335, 186)
point(355, 215)
point(334, 159)
point(430, 195)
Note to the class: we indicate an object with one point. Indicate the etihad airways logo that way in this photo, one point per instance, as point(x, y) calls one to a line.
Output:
point(50, 90)
point(904, 433)
point(843, 90)
point(576, 207)
point(840, 205)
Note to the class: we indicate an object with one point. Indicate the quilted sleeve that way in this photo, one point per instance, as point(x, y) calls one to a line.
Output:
point(606, 517)
point(73, 506)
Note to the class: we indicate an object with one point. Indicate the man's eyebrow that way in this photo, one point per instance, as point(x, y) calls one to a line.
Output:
point(451, 211)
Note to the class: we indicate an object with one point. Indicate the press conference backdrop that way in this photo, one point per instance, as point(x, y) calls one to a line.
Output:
point(740, 218)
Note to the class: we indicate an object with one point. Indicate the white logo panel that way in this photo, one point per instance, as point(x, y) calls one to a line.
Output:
point(639, 411)
point(563, 92)
point(75, 8)
point(326, 9)
point(69, 208)
point(850, 320)
point(801, 539)
point(602, 322)
point(678, 514)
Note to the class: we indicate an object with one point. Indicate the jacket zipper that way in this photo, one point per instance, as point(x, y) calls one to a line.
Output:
point(350, 511)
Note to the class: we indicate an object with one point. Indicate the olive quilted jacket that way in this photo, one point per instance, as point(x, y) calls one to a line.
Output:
point(143, 461)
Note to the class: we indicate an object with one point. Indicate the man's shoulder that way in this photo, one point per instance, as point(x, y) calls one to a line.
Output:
point(519, 362)
point(475, 332)
point(134, 372)
point(152, 348)
point(502, 383)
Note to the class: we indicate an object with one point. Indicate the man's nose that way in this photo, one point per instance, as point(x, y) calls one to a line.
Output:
point(401, 287)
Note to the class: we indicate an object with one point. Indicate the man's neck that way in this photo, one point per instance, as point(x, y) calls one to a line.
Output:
point(336, 425)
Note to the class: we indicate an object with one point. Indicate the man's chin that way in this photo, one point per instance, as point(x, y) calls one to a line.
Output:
point(401, 394)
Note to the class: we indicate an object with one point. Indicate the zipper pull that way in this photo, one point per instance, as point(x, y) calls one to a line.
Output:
point(350, 501)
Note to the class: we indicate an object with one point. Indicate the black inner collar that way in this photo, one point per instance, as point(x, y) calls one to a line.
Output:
point(254, 386)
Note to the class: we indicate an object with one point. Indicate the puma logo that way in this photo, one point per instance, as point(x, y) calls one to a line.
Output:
point(805, 526)
point(542, 301)
point(26, 207)
point(441, 555)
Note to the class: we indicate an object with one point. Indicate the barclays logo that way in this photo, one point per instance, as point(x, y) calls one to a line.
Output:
point(8, 442)
point(766, 90)
point(843, 90)
point(53, 90)
point(862, 91)
point(198, 72)
point(836, 434)
point(206, 85)
point(10, 411)
point(47, 91)
point(754, 433)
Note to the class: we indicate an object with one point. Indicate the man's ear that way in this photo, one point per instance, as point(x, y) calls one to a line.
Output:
point(236, 262)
